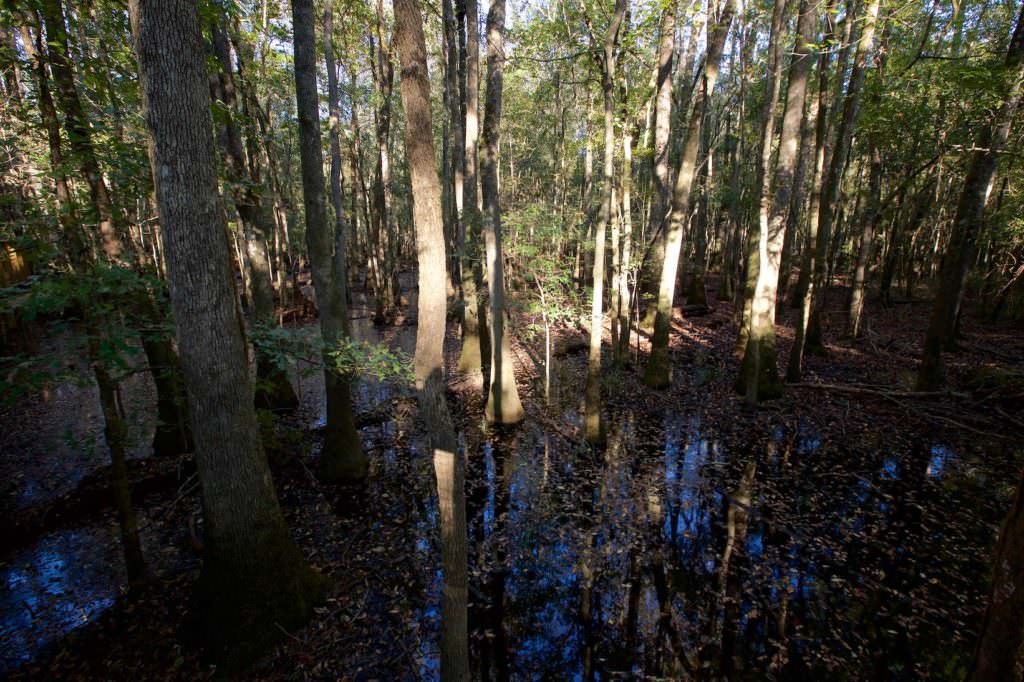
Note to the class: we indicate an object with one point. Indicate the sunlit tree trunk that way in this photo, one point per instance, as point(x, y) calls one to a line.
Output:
point(626, 182)
point(759, 373)
point(811, 332)
point(661, 200)
point(473, 323)
point(658, 372)
point(802, 296)
point(503, 406)
point(253, 574)
point(773, 86)
point(430, 333)
point(593, 426)
point(342, 457)
point(970, 212)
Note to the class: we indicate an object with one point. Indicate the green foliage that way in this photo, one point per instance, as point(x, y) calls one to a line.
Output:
point(303, 349)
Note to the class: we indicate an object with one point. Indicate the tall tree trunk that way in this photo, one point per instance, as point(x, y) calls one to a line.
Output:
point(78, 129)
point(970, 212)
point(383, 76)
point(253, 574)
point(759, 372)
point(802, 296)
point(773, 87)
point(342, 457)
point(430, 334)
point(626, 182)
point(869, 220)
point(662, 198)
point(810, 334)
point(593, 424)
point(474, 346)
point(503, 406)
point(658, 372)
point(273, 389)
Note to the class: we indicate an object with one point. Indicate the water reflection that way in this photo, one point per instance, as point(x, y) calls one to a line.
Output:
point(63, 582)
point(687, 557)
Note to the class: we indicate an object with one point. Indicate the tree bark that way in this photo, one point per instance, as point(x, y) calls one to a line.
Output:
point(253, 574)
point(273, 389)
point(78, 129)
point(970, 213)
point(430, 334)
point(474, 346)
point(503, 406)
point(593, 424)
point(342, 457)
point(759, 374)
point(658, 372)
point(773, 87)
point(999, 654)
point(869, 221)
point(811, 334)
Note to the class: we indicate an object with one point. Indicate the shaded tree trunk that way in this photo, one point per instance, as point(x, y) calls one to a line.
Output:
point(999, 655)
point(970, 213)
point(253, 574)
point(474, 346)
point(593, 426)
point(78, 129)
point(273, 390)
point(342, 457)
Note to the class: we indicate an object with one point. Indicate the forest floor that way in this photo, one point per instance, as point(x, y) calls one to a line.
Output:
point(842, 530)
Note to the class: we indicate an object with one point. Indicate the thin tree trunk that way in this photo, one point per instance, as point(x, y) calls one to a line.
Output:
point(503, 405)
point(759, 373)
point(773, 88)
point(78, 129)
point(658, 372)
point(342, 457)
point(593, 424)
point(273, 389)
point(833, 181)
point(869, 221)
point(474, 347)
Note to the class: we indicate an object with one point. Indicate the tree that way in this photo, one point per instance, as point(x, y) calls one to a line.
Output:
point(970, 213)
point(253, 574)
point(759, 373)
point(342, 457)
point(273, 389)
point(430, 334)
point(473, 323)
point(503, 406)
point(809, 330)
point(998, 655)
point(658, 371)
point(593, 426)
